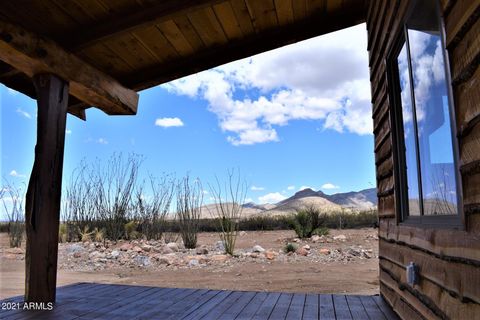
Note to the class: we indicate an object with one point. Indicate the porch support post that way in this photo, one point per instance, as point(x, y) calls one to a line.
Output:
point(44, 190)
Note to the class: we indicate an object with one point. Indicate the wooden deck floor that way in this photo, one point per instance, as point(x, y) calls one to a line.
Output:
point(106, 301)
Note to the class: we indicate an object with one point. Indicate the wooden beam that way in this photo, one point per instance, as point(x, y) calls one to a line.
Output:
point(33, 54)
point(122, 23)
point(254, 44)
point(42, 214)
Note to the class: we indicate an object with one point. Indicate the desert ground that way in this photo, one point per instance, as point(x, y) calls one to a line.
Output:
point(345, 261)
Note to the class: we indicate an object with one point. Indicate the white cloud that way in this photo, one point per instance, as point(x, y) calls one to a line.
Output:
point(291, 188)
point(169, 122)
point(324, 79)
point(247, 200)
point(102, 141)
point(68, 131)
point(271, 198)
point(255, 188)
point(14, 173)
point(330, 186)
point(24, 113)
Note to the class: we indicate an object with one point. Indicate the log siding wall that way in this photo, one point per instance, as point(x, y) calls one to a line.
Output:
point(448, 260)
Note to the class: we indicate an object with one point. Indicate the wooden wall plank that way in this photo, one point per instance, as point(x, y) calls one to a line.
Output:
point(464, 55)
point(467, 101)
point(399, 305)
point(471, 191)
point(386, 207)
point(460, 13)
point(461, 245)
point(470, 146)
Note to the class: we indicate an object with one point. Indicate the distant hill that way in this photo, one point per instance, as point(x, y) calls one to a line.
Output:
point(357, 200)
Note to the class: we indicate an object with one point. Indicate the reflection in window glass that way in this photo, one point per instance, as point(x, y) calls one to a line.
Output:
point(433, 123)
point(409, 134)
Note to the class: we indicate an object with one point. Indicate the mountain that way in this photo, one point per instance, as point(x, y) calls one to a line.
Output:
point(364, 199)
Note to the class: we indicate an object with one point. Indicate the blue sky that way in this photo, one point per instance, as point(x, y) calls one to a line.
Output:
point(298, 116)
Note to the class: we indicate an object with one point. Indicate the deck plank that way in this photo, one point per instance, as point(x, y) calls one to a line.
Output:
point(385, 308)
point(327, 309)
point(267, 306)
point(356, 308)
point(281, 308)
point(310, 310)
point(249, 311)
point(105, 301)
point(372, 308)
point(341, 307)
point(295, 311)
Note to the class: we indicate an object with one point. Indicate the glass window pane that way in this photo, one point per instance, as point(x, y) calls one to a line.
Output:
point(433, 121)
point(409, 134)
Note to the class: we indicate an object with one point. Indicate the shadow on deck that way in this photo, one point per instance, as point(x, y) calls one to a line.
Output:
point(109, 301)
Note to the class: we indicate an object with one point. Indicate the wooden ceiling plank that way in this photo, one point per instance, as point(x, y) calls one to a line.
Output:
point(243, 16)
point(265, 16)
point(284, 10)
point(124, 23)
point(33, 54)
point(207, 26)
point(316, 7)
point(299, 9)
point(245, 47)
point(105, 59)
point(334, 5)
point(173, 34)
point(189, 32)
point(153, 39)
point(130, 50)
point(226, 16)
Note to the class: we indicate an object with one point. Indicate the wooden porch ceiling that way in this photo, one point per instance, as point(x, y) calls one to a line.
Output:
point(138, 44)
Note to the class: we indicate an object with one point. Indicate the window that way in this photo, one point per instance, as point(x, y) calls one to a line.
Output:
point(425, 149)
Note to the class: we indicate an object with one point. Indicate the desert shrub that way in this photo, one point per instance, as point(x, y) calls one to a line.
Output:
point(189, 202)
point(322, 231)
point(352, 219)
point(86, 234)
point(131, 230)
point(12, 199)
point(228, 208)
point(62, 232)
point(307, 220)
point(98, 235)
point(290, 247)
point(3, 227)
point(152, 210)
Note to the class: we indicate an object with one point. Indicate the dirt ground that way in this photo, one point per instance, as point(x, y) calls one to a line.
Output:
point(344, 273)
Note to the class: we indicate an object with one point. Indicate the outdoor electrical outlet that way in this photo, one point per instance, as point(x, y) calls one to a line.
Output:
point(412, 274)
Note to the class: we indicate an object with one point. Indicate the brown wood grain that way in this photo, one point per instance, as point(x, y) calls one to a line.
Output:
point(42, 214)
point(459, 15)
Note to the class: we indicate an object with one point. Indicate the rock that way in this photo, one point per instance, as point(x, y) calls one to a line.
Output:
point(242, 233)
point(324, 251)
point(202, 250)
point(306, 247)
point(258, 248)
point(302, 252)
point(219, 246)
point(193, 263)
point(173, 246)
point(315, 238)
point(137, 249)
point(254, 255)
point(219, 258)
point(164, 259)
point(96, 255)
point(354, 252)
point(77, 255)
point(366, 255)
point(142, 260)
point(340, 237)
point(126, 247)
point(114, 254)
point(146, 247)
point(297, 240)
point(270, 255)
point(166, 250)
point(75, 248)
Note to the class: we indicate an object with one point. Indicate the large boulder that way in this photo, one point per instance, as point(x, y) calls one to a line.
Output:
point(258, 249)
point(173, 246)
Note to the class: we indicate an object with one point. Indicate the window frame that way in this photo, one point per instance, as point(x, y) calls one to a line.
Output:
point(456, 221)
